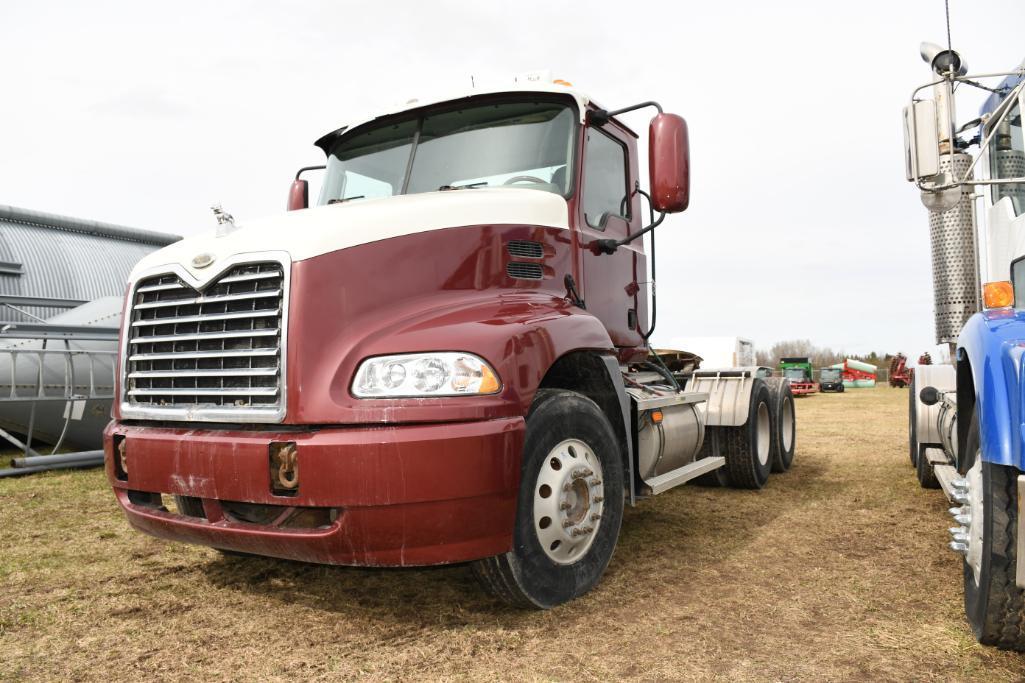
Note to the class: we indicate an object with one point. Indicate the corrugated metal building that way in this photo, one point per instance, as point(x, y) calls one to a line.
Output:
point(57, 257)
point(57, 381)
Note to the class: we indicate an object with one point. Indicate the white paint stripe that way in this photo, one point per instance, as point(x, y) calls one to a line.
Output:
point(324, 229)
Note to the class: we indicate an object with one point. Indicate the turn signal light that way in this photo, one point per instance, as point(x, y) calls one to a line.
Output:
point(997, 294)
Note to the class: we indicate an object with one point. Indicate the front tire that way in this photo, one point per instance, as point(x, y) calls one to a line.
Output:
point(570, 505)
point(994, 604)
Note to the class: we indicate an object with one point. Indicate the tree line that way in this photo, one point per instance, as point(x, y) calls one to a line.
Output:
point(820, 356)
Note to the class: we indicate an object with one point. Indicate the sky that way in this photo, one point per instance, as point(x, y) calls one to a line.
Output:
point(800, 225)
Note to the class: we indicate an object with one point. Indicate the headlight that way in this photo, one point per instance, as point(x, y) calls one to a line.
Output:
point(424, 374)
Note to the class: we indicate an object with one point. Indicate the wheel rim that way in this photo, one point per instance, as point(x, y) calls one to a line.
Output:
point(764, 430)
point(568, 501)
point(788, 423)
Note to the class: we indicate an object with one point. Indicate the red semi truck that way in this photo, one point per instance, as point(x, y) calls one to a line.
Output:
point(444, 360)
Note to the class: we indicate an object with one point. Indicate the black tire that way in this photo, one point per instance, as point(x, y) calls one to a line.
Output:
point(912, 426)
point(925, 473)
point(748, 448)
point(719, 476)
point(995, 606)
point(841, 389)
point(526, 576)
point(783, 415)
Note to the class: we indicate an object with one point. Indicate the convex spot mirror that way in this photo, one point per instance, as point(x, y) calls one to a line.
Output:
point(669, 163)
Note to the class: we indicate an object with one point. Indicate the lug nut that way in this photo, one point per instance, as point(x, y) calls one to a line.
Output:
point(963, 519)
point(564, 505)
point(596, 482)
point(960, 497)
point(598, 499)
point(961, 484)
point(595, 517)
point(959, 547)
point(566, 524)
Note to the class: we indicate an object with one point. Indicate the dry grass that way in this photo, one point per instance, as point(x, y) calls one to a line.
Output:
point(836, 571)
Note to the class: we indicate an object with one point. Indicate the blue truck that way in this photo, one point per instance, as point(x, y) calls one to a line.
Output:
point(966, 422)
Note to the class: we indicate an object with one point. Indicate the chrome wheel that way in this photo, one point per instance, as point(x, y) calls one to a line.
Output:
point(789, 424)
point(764, 434)
point(967, 537)
point(568, 501)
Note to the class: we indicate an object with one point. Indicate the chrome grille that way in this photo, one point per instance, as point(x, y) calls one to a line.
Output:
point(219, 349)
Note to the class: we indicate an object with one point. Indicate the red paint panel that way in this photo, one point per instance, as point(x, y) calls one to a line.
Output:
point(443, 290)
point(417, 494)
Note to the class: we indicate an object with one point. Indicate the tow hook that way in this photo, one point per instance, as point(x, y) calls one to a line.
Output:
point(284, 462)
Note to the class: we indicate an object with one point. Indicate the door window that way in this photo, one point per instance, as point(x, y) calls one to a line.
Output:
point(606, 183)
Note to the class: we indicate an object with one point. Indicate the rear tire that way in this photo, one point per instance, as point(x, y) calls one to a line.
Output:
point(567, 435)
point(719, 476)
point(912, 426)
point(994, 604)
point(748, 448)
point(783, 416)
point(924, 471)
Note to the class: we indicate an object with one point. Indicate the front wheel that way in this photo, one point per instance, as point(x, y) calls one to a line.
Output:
point(570, 505)
point(994, 604)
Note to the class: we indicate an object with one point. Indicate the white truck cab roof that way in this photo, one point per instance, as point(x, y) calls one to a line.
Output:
point(531, 82)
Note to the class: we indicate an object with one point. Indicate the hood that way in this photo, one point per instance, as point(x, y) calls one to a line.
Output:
point(323, 229)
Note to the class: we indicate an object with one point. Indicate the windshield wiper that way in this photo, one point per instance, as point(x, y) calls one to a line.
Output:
point(467, 186)
point(346, 199)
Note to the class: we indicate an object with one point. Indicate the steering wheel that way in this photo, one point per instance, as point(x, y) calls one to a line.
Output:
point(528, 178)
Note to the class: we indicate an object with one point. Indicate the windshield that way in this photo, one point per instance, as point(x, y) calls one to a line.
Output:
point(507, 144)
point(830, 375)
point(795, 374)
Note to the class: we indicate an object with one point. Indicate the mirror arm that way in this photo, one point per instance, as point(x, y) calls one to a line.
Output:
point(308, 168)
point(608, 246)
point(599, 117)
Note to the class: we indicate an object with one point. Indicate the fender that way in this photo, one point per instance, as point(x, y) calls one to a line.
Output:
point(993, 344)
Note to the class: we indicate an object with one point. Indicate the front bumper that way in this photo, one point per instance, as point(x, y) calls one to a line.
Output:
point(396, 495)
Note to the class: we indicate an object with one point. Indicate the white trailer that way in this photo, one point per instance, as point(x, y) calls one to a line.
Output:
point(718, 352)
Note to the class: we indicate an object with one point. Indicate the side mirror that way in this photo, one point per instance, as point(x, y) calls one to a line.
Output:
point(921, 141)
point(298, 195)
point(669, 163)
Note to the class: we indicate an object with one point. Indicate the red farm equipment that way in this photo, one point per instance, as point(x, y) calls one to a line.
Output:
point(900, 373)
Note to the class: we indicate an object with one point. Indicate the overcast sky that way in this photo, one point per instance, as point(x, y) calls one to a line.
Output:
point(800, 225)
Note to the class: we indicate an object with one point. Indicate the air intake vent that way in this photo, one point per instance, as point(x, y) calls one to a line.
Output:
point(203, 355)
point(524, 271)
point(525, 249)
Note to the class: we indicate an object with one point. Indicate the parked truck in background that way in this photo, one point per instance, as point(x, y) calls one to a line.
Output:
point(801, 375)
point(445, 360)
point(831, 380)
point(967, 420)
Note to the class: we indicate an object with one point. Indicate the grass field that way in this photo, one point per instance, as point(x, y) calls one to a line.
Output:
point(837, 570)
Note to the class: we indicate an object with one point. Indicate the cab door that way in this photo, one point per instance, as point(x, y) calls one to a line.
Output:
point(607, 210)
